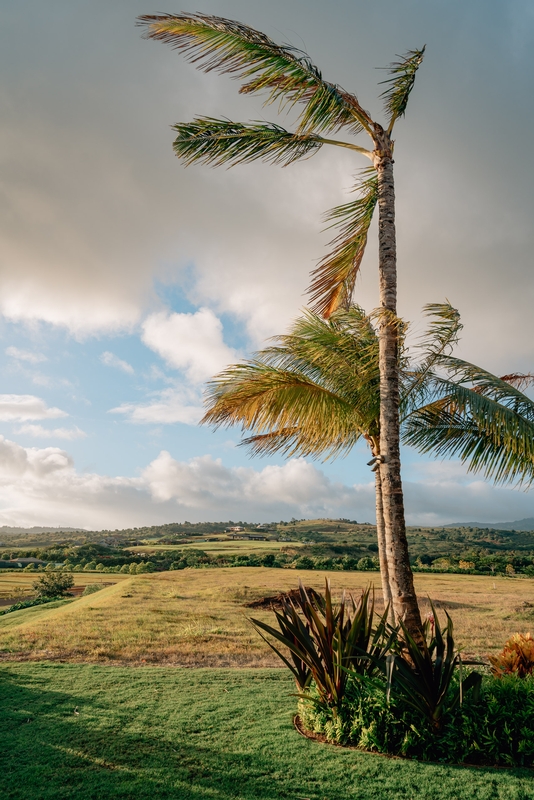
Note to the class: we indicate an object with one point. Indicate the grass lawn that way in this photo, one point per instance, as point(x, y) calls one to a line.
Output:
point(94, 732)
point(198, 617)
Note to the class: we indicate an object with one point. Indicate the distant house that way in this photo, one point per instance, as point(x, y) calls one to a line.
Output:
point(253, 536)
point(235, 528)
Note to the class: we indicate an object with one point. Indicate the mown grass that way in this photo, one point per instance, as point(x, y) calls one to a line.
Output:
point(92, 732)
point(197, 617)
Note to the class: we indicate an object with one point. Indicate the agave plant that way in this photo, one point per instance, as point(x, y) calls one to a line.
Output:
point(327, 642)
point(424, 677)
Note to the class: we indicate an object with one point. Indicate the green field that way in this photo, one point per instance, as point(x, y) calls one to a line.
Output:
point(223, 546)
point(94, 733)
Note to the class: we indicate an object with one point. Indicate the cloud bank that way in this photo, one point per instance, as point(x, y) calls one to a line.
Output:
point(41, 486)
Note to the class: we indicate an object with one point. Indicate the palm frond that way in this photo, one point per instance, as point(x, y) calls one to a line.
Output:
point(296, 414)
point(486, 434)
point(401, 84)
point(521, 380)
point(437, 342)
point(285, 72)
point(314, 392)
point(486, 384)
point(220, 141)
point(335, 276)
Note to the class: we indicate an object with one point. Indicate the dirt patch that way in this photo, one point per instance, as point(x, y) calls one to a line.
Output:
point(276, 600)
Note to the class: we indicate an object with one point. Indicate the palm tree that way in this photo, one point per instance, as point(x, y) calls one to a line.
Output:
point(288, 76)
point(315, 392)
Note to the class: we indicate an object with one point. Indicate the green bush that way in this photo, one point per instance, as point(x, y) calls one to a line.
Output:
point(91, 588)
point(37, 601)
point(53, 584)
point(496, 728)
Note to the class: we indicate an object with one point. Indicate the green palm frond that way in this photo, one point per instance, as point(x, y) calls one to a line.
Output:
point(220, 141)
point(314, 392)
point(286, 73)
point(485, 384)
point(437, 342)
point(401, 84)
point(334, 278)
point(486, 436)
point(303, 417)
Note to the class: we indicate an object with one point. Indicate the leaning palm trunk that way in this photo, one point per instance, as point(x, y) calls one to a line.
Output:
point(289, 78)
point(400, 575)
point(382, 551)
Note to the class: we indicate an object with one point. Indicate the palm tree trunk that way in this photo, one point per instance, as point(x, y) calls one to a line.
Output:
point(381, 537)
point(399, 570)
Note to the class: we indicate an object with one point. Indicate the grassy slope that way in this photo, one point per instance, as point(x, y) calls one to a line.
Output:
point(137, 734)
point(198, 617)
point(14, 584)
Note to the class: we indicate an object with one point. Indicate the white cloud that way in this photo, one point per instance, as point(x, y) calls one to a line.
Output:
point(168, 407)
point(39, 432)
point(41, 486)
point(189, 342)
point(241, 492)
point(30, 462)
point(22, 407)
point(111, 360)
point(25, 355)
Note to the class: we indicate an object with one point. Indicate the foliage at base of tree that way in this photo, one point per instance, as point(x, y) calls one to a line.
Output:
point(496, 729)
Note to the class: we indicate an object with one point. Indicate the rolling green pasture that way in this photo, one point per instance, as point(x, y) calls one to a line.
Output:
point(222, 547)
point(81, 732)
point(199, 617)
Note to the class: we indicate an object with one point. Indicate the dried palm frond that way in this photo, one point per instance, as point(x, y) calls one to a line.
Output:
point(334, 278)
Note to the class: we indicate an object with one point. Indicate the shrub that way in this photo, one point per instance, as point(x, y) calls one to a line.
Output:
point(423, 677)
point(53, 584)
point(37, 601)
point(496, 728)
point(91, 588)
point(517, 657)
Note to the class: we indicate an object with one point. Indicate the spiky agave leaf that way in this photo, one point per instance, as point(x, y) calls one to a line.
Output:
point(220, 141)
point(401, 84)
point(285, 72)
point(335, 276)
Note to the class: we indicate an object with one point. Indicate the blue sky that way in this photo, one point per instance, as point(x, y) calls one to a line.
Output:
point(126, 281)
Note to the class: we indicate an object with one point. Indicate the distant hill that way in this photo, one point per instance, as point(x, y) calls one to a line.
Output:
point(519, 525)
point(35, 529)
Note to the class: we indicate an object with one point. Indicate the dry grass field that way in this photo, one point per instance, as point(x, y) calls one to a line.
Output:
point(199, 617)
point(16, 585)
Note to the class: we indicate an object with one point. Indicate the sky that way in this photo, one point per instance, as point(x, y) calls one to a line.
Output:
point(127, 281)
